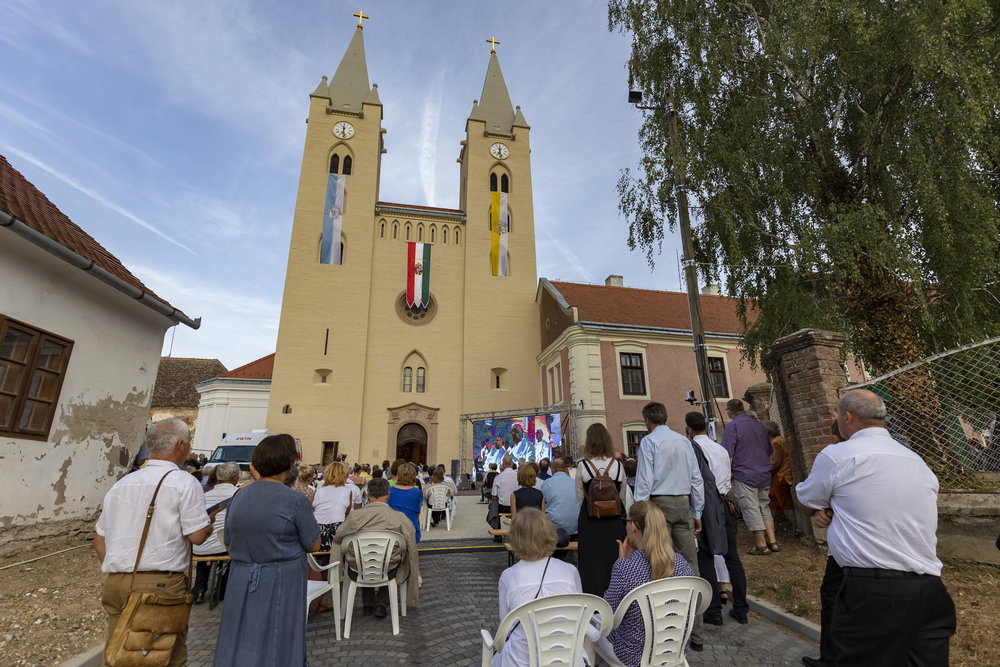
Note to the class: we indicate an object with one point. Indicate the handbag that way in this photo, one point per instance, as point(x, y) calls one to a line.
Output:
point(150, 623)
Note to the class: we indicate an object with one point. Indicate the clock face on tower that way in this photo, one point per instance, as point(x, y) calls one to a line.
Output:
point(499, 151)
point(343, 130)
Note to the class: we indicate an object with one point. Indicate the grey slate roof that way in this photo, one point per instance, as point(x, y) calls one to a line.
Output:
point(494, 106)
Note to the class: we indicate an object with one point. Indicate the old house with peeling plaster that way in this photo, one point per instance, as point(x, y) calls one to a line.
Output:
point(80, 340)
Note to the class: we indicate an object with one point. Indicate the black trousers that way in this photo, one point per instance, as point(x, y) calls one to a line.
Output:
point(737, 575)
point(884, 617)
point(833, 579)
point(201, 571)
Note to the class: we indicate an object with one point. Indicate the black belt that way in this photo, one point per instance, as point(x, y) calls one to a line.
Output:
point(879, 573)
point(670, 495)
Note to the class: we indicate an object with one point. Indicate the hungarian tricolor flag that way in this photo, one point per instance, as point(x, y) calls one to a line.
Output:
point(418, 274)
point(499, 227)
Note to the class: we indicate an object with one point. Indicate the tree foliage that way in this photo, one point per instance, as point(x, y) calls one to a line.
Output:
point(845, 157)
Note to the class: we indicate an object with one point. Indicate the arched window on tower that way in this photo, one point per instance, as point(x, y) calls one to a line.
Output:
point(395, 231)
point(493, 182)
point(407, 231)
point(457, 242)
point(504, 183)
point(408, 379)
point(421, 379)
point(433, 233)
point(381, 231)
point(444, 235)
point(348, 163)
point(334, 164)
point(420, 233)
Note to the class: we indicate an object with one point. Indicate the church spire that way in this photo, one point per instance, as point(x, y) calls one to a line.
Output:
point(494, 106)
point(349, 87)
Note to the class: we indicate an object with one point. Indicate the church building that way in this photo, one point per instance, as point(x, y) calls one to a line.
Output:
point(396, 318)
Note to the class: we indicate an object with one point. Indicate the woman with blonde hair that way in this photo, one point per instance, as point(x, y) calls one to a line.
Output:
point(334, 501)
point(303, 480)
point(532, 538)
point(404, 495)
point(646, 554)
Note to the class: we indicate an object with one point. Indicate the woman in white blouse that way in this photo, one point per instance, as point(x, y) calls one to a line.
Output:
point(334, 501)
point(536, 575)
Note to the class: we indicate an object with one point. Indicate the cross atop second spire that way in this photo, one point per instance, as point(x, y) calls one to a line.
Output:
point(494, 106)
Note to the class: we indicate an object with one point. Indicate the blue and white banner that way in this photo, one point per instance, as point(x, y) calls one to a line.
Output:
point(333, 216)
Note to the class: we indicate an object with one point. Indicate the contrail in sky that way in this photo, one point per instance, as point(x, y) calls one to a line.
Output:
point(100, 199)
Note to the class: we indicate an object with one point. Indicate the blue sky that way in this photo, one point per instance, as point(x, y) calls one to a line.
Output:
point(172, 132)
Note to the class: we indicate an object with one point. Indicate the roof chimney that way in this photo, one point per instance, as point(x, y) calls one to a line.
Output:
point(712, 289)
point(614, 281)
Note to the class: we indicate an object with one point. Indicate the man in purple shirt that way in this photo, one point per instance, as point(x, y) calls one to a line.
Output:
point(749, 447)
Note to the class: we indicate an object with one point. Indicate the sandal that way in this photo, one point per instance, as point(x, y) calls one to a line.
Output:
point(758, 551)
point(773, 547)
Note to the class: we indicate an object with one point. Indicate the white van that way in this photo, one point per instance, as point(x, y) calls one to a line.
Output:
point(238, 447)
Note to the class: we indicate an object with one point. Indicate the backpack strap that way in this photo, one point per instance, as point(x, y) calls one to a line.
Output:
point(145, 529)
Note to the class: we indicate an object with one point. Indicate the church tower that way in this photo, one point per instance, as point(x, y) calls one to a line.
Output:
point(358, 370)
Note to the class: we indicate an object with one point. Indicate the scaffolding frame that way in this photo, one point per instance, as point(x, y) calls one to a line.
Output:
point(567, 426)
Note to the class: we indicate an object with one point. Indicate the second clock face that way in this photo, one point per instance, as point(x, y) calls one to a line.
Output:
point(343, 130)
point(499, 151)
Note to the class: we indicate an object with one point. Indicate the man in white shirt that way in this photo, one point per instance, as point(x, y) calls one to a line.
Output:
point(718, 464)
point(227, 474)
point(505, 484)
point(178, 521)
point(879, 500)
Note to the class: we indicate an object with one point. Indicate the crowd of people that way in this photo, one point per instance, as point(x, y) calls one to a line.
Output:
point(671, 511)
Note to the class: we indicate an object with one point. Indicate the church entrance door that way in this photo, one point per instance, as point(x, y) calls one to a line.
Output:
point(411, 443)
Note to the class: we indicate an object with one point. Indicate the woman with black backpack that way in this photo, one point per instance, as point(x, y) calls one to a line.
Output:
point(600, 488)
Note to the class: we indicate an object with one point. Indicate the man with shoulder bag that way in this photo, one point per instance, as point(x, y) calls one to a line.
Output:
point(144, 536)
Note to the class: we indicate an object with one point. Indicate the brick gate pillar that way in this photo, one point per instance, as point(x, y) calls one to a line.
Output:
point(759, 398)
point(808, 378)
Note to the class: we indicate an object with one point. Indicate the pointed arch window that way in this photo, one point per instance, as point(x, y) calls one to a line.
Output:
point(395, 231)
point(408, 379)
point(420, 233)
point(433, 233)
point(407, 231)
point(504, 183)
point(421, 379)
point(381, 231)
point(334, 164)
point(348, 163)
point(457, 242)
point(444, 235)
point(493, 182)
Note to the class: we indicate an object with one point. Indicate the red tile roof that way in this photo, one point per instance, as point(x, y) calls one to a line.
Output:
point(21, 199)
point(261, 369)
point(176, 378)
point(649, 308)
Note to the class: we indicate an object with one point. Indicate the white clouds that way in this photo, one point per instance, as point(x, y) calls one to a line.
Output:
point(97, 197)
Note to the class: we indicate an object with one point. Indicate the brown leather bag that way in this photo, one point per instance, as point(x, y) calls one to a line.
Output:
point(150, 623)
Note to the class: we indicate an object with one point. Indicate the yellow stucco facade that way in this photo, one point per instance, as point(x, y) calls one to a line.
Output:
point(345, 338)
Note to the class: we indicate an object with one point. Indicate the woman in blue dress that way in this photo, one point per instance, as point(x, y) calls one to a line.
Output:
point(269, 528)
point(405, 497)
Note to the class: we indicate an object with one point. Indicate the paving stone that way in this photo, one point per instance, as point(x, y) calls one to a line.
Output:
point(459, 597)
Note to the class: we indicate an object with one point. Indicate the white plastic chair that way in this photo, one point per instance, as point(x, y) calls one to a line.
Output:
point(372, 550)
point(669, 608)
point(555, 628)
point(439, 503)
point(316, 589)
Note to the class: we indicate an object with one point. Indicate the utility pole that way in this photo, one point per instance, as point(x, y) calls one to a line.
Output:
point(690, 267)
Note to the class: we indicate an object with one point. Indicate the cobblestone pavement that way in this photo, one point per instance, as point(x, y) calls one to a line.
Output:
point(458, 598)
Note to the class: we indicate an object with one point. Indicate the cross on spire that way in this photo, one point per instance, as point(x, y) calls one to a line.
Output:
point(361, 17)
point(492, 41)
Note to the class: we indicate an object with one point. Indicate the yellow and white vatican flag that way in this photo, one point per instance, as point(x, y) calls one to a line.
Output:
point(333, 220)
point(500, 226)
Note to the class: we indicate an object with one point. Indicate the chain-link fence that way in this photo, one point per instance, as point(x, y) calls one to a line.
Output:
point(945, 408)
